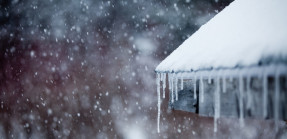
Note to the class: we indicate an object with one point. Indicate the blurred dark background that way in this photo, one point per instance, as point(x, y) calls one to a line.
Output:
point(85, 68)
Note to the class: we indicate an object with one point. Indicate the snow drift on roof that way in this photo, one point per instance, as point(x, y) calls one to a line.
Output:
point(245, 33)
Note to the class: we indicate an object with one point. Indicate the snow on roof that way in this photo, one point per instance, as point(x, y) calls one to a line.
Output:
point(245, 33)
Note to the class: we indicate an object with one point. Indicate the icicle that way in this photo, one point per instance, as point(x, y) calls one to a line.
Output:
point(181, 82)
point(265, 93)
point(176, 89)
point(169, 81)
point(194, 87)
point(172, 98)
point(241, 114)
point(163, 84)
point(202, 89)
point(161, 80)
point(223, 84)
point(158, 100)
point(216, 104)
point(276, 100)
point(218, 98)
point(158, 82)
point(249, 96)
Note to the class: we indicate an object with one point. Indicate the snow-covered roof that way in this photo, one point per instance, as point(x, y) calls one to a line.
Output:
point(245, 33)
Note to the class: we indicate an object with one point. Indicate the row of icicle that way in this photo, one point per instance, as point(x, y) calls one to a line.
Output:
point(217, 75)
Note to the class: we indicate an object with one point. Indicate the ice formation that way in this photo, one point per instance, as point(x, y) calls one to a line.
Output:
point(265, 93)
point(241, 74)
point(216, 103)
point(241, 96)
point(249, 95)
point(181, 82)
point(201, 89)
point(194, 87)
point(163, 84)
point(276, 99)
point(172, 90)
point(158, 101)
point(176, 91)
